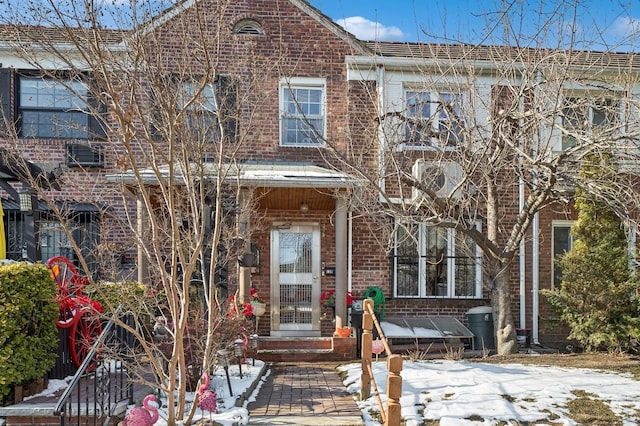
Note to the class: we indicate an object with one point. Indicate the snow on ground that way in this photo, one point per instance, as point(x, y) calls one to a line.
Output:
point(454, 391)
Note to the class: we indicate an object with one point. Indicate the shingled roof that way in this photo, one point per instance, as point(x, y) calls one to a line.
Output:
point(463, 52)
point(33, 33)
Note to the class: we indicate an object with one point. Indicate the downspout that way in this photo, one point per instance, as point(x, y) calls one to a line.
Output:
point(381, 130)
point(523, 283)
point(535, 277)
point(535, 260)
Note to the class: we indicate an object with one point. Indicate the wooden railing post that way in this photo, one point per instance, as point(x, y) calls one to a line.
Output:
point(394, 390)
point(367, 338)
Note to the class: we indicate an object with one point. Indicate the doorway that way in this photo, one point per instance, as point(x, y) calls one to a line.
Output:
point(295, 279)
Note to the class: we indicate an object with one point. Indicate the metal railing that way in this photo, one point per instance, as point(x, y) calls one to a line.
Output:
point(101, 386)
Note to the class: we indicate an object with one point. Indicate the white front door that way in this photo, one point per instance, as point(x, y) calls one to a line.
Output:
point(295, 280)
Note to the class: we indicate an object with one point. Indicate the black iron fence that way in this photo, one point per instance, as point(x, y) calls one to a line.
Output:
point(100, 387)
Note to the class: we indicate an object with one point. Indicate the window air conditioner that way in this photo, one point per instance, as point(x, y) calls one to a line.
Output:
point(79, 155)
point(442, 177)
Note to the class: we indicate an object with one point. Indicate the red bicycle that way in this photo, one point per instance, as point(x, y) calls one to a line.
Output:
point(77, 310)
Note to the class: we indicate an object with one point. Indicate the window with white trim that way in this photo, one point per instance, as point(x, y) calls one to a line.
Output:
point(431, 261)
point(51, 108)
point(585, 116)
point(302, 112)
point(433, 118)
point(562, 241)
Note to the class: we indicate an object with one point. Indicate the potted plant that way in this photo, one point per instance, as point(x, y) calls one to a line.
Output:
point(257, 303)
point(328, 300)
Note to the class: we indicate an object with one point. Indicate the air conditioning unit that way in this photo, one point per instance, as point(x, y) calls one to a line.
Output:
point(441, 176)
point(79, 155)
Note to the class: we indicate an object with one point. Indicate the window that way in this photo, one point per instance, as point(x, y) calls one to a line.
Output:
point(53, 108)
point(432, 117)
point(208, 110)
point(586, 117)
point(562, 243)
point(302, 112)
point(201, 110)
point(432, 261)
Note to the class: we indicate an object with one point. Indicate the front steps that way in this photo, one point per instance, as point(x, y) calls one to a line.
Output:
point(306, 349)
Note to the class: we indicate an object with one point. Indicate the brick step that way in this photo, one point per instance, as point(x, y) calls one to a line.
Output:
point(294, 343)
point(306, 349)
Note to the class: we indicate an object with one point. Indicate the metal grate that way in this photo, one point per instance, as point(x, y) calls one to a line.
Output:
point(295, 303)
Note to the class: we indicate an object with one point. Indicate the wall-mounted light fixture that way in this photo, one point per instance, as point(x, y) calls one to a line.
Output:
point(26, 205)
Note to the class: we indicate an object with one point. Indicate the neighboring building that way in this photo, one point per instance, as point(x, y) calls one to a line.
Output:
point(320, 92)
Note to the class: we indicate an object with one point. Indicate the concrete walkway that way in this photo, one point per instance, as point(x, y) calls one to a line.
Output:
point(304, 394)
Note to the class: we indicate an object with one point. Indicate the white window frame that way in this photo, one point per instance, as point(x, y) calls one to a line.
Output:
point(555, 225)
point(450, 267)
point(591, 100)
point(432, 99)
point(287, 85)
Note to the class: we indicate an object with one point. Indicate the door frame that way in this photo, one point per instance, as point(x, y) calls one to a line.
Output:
point(276, 330)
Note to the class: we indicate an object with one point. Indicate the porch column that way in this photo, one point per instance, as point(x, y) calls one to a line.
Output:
point(341, 261)
point(143, 266)
point(245, 261)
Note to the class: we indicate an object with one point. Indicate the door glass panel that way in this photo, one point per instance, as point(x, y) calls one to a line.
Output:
point(296, 279)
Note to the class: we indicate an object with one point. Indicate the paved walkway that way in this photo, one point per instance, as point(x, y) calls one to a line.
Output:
point(304, 394)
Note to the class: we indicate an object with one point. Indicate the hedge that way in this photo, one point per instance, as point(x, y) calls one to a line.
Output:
point(28, 334)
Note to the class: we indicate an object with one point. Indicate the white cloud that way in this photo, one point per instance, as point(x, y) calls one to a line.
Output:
point(625, 27)
point(365, 29)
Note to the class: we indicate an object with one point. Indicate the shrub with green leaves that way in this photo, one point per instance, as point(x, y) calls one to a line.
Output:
point(28, 334)
point(598, 294)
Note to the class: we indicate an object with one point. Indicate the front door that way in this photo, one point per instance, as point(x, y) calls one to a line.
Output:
point(295, 280)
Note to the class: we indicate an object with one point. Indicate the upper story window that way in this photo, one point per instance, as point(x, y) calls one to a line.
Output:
point(207, 109)
point(302, 112)
point(433, 118)
point(431, 261)
point(586, 117)
point(51, 108)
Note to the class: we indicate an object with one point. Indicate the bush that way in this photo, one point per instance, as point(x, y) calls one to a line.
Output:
point(28, 334)
point(598, 294)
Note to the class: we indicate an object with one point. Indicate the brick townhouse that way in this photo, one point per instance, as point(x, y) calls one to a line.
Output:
point(314, 95)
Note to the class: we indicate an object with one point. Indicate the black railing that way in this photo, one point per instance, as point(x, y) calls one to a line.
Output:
point(100, 387)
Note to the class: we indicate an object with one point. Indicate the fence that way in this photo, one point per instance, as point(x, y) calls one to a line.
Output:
point(390, 416)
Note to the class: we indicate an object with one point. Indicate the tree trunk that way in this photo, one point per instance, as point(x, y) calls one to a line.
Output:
point(505, 332)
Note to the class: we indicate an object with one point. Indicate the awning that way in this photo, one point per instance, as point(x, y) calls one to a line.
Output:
point(270, 175)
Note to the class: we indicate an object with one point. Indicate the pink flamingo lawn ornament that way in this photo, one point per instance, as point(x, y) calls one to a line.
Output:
point(146, 415)
point(207, 399)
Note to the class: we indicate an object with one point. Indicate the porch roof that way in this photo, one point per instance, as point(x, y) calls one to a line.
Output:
point(270, 175)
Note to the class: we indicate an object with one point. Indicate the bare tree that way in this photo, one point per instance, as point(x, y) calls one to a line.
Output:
point(481, 139)
point(167, 107)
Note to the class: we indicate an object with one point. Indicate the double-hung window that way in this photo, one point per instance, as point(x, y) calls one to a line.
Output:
point(431, 261)
point(433, 118)
point(302, 112)
point(584, 117)
point(562, 243)
point(51, 108)
point(199, 105)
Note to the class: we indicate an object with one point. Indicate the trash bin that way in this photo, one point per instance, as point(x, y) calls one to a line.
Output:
point(481, 325)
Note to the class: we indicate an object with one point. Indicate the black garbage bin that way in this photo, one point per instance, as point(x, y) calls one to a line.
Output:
point(480, 321)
